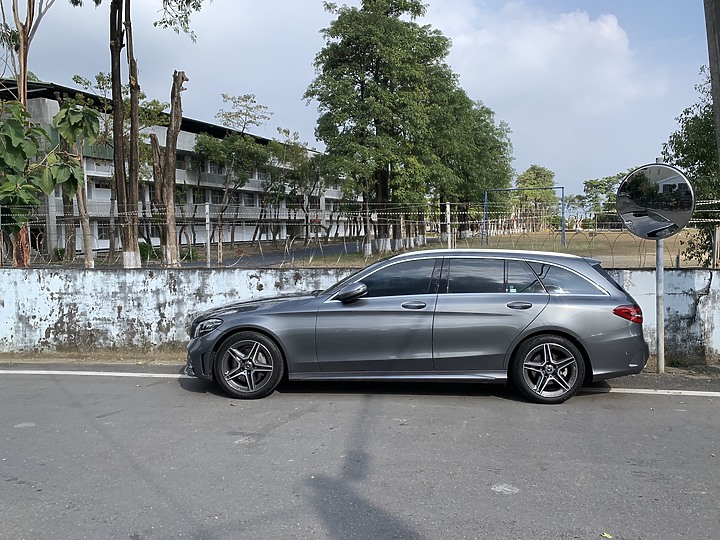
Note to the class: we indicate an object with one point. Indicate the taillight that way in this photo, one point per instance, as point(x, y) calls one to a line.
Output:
point(632, 313)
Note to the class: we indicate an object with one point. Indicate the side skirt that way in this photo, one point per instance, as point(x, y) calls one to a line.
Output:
point(446, 376)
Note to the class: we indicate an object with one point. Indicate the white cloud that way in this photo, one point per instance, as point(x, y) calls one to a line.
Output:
point(583, 95)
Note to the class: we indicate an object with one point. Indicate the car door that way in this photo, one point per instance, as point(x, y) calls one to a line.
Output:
point(483, 305)
point(388, 330)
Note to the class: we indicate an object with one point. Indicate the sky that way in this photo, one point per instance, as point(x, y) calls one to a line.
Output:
point(588, 88)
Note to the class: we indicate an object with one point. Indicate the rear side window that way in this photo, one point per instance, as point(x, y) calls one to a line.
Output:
point(478, 275)
point(600, 270)
point(401, 279)
point(559, 280)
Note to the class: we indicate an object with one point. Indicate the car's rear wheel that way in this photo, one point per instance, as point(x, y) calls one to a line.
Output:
point(548, 369)
point(248, 365)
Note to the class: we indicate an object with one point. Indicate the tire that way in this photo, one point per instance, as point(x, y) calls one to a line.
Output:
point(248, 365)
point(548, 369)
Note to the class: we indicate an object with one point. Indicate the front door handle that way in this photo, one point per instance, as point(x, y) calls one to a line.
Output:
point(414, 305)
point(519, 305)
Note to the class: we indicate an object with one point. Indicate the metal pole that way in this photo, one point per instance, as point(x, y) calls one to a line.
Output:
point(484, 238)
point(562, 214)
point(447, 221)
point(207, 232)
point(660, 304)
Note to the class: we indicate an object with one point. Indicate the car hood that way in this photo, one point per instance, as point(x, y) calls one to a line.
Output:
point(255, 305)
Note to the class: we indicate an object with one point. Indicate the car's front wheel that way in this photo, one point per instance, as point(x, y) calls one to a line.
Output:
point(548, 369)
point(248, 365)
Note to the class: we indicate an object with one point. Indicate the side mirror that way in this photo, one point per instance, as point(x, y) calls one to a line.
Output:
point(351, 292)
point(655, 201)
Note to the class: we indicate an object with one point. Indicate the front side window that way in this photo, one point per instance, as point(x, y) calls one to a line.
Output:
point(559, 280)
point(476, 276)
point(401, 279)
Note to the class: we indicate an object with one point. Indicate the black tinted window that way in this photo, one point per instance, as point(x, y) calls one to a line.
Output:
point(561, 281)
point(476, 276)
point(410, 277)
point(520, 279)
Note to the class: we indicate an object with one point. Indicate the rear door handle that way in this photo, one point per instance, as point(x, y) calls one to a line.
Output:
point(519, 305)
point(414, 305)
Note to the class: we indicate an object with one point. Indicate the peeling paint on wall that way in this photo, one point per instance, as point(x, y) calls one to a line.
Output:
point(46, 310)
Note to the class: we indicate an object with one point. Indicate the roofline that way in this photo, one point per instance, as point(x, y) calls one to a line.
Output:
point(55, 92)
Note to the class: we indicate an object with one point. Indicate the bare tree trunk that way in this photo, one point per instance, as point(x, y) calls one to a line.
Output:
point(164, 162)
point(117, 34)
point(131, 251)
point(68, 221)
point(85, 225)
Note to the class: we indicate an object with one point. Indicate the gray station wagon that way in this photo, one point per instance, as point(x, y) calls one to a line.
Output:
point(547, 322)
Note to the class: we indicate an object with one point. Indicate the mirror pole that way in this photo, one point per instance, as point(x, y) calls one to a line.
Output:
point(562, 211)
point(660, 304)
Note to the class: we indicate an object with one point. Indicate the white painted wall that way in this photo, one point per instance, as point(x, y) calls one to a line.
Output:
point(47, 310)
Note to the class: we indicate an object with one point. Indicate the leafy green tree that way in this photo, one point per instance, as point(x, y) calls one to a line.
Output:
point(599, 198)
point(77, 124)
point(372, 88)
point(238, 153)
point(692, 149)
point(27, 169)
point(298, 173)
point(537, 198)
point(16, 39)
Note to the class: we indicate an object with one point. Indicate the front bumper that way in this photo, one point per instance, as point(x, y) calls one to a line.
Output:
point(199, 360)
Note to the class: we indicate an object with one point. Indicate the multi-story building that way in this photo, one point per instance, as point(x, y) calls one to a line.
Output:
point(200, 191)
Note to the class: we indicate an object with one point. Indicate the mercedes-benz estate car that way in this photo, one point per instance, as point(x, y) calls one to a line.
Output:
point(547, 322)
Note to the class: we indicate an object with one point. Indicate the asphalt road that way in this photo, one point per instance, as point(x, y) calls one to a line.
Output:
point(159, 456)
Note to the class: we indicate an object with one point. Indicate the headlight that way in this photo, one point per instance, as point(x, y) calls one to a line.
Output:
point(206, 326)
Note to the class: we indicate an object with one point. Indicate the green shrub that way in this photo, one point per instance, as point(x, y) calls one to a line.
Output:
point(147, 252)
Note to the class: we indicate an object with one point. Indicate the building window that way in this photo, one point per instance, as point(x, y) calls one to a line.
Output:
point(199, 196)
point(217, 196)
point(216, 168)
point(182, 162)
point(249, 199)
point(102, 184)
point(103, 230)
point(263, 175)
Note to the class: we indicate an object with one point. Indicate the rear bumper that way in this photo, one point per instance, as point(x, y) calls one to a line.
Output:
point(631, 361)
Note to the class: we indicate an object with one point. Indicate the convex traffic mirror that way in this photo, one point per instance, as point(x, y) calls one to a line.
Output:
point(655, 201)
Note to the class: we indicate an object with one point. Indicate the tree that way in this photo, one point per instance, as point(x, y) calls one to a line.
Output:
point(164, 174)
point(19, 39)
point(237, 153)
point(537, 195)
point(297, 172)
point(75, 125)
point(598, 198)
point(372, 88)
point(175, 15)
point(25, 29)
point(692, 149)
point(27, 170)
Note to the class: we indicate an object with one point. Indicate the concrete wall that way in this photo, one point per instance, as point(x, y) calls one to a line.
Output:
point(46, 310)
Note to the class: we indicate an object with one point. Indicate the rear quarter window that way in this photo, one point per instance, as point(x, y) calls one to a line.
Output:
point(558, 280)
